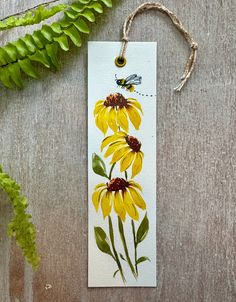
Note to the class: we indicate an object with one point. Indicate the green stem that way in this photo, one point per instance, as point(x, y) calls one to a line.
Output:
point(126, 175)
point(112, 167)
point(122, 235)
point(114, 249)
point(135, 247)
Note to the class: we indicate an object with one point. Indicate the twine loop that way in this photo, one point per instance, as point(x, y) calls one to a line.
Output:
point(178, 24)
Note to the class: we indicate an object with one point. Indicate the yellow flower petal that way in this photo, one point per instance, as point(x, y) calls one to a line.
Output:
point(106, 204)
point(99, 186)
point(119, 206)
point(126, 161)
point(111, 139)
point(134, 116)
point(129, 206)
point(135, 185)
point(137, 198)
point(118, 154)
point(141, 153)
point(135, 103)
point(99, 105)
point(101, 120)
point(137, 165)
point(113, 147)
point(96, 197)
point(122, 119)
point(112, 120)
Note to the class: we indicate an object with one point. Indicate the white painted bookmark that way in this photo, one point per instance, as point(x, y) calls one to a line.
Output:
point(122, 165)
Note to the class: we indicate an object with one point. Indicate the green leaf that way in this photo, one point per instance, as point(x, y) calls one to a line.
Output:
point(20, 226)
point(108, 3)
point(11, 51)
point(5, 77)
point(71, 15)
point(47, 32)
point(29, 41)
point(4, 57)
point(102, 241)
point(97, 7)
point(74, 35)
point(143, 229)
point(39, 39)
point(88, 15)
point(14, 70)
point(40, 57)
point(115, 273)
point(63, 42)
point(28, 69)
point(78, 7)
point(32, 17)
point(56, 28)
point(82, 26)
point(84, 1)
point(21, 48)
point(52, 50)
point(142, 259)
point(37, 46)
point(98, 165)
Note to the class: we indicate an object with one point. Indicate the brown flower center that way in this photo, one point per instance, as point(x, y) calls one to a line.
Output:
point(115, 99)
point(117, 184)
point(134, 143)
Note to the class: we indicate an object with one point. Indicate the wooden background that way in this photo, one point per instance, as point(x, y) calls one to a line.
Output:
point(43, 142)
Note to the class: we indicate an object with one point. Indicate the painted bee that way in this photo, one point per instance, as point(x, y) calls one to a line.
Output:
point(130, 82)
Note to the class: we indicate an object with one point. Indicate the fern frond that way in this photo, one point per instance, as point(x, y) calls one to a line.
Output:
point(20, 226)
point(32, 17)
point(17, 58)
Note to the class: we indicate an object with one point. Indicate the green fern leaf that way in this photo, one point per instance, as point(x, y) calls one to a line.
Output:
point(108, 3)
point(5, 77)
point(89, 15)
point(56, 28)
point(4, 58)
point(63, 42)
point(97, 7)
point(28, 69)
point(47, 32)
point(30, 44)
point(11, 51)
point(52, 50)
point(32, 17)
point(41, 57)
point(84, 1)
point(82, 26)
point(20, 226)
point(74, 35)
point(21, 48)
point(77, 7)
point(15, 74)
point(42, 46)
point(39, 39)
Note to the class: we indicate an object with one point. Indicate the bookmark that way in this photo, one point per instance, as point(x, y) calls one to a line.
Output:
point(122, 158)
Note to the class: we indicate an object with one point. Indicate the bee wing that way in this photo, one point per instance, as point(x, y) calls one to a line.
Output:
point(135, 80)
point(130, 78)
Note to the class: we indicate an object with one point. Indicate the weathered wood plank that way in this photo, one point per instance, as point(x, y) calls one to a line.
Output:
point(43, 145)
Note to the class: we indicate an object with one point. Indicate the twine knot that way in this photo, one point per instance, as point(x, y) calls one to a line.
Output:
point(194, 45)
point(175, 20)
point(125, 39)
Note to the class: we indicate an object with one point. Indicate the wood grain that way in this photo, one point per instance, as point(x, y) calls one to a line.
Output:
point(43, 139)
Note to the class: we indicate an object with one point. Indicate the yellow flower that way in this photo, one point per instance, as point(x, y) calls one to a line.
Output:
point(115, 111)
point(126, 149)
point(120, 194)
